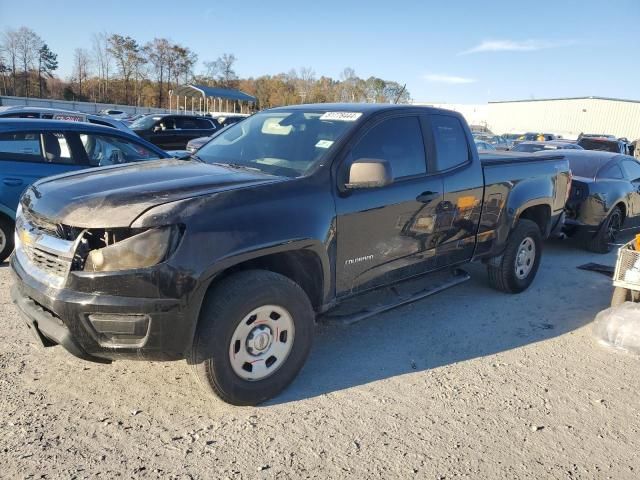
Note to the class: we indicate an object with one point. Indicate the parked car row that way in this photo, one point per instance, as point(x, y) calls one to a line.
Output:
point(167, 131)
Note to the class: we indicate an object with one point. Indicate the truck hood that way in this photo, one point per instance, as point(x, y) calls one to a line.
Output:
point(115, 196)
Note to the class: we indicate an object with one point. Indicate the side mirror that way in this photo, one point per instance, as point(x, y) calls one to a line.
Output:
point(369, 173)
point(157, 129)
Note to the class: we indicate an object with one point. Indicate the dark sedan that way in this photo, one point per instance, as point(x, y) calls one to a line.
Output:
point(604, 198)
point(173, 132)
point(605, 144)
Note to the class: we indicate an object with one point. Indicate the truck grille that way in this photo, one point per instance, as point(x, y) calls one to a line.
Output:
point(48, 262)
point(44, 248)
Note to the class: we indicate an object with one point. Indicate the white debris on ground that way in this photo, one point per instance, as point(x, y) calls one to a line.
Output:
point(619, 327)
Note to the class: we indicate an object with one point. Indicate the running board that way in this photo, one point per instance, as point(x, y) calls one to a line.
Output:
point(334, 316)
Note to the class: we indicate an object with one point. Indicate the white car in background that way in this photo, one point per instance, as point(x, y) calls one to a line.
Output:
point(113, 113)
point(60, 114)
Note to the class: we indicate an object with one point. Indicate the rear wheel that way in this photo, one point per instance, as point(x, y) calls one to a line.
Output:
point(6, 238)
point(254, 334)
point(514, 271)
point(606, 235)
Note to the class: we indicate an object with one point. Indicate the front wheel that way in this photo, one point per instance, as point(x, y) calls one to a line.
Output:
point(6, 238)
point(514, 271)
point(254, 334)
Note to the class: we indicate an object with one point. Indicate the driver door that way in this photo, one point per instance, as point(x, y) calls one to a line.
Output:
point(388, 233)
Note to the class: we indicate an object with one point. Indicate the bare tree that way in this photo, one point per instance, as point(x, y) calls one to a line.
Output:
point(186, 59)
point(4, 69)
point(348, 84)
point(304, 82)
point(222, 70)
point(102, 59)
point(160, 55)
point(126, 53)
point(29, 43)
point(81, 64)
point(10, 40)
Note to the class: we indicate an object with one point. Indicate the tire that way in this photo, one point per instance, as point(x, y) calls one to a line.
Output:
point(6, 238)
point(503, 272)
point(257, 302)
point(603, 240)
point(621, 295)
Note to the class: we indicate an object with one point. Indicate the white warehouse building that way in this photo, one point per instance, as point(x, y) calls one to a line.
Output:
point(563, 116)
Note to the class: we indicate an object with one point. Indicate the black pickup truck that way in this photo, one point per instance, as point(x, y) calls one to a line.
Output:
point(227, 260)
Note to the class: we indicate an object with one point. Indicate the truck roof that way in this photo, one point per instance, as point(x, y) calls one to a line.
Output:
point(366, 108)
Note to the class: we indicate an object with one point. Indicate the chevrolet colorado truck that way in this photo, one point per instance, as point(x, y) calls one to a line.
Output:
point(227, 260)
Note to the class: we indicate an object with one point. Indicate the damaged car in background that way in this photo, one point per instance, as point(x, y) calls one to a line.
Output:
point(227, 262)
point(605, 197)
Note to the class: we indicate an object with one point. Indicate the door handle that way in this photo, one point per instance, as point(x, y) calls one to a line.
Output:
point(427, 197)
point(12, 182)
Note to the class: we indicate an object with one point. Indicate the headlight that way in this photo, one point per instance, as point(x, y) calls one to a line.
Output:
point(139, 251)
point(17, 241)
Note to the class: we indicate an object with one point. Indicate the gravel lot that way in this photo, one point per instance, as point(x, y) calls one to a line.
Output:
point(469, 383)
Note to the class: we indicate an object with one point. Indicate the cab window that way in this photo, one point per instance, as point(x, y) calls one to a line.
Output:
point(451, 142)
point(397, 140)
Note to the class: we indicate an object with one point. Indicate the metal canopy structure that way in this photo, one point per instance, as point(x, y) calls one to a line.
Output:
point(200, 98)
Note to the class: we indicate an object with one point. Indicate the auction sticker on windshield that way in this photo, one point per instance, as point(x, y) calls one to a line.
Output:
point(341, 116)
point(324, 143)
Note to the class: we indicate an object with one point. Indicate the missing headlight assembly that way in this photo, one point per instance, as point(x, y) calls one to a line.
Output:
point(125, 249)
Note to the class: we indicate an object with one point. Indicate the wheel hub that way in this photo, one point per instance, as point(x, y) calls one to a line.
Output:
point(259, 340)
point(3, 241)
point(525, 258)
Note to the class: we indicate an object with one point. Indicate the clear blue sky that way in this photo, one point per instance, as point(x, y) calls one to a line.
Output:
point(452, 51)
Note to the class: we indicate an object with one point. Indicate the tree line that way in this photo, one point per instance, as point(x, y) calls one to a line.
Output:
point(119, 69)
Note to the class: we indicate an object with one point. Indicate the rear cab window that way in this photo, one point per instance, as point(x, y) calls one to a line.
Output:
point(452, 149)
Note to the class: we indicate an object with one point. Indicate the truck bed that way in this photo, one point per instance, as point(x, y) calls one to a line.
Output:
point(500, 158)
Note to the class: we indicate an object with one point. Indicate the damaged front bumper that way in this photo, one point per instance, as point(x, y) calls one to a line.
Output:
point(99, 327)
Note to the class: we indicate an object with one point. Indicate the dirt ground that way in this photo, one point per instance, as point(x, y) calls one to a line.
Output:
point(469, 383)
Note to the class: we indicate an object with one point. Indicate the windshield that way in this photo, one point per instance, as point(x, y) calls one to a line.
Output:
point(287, 143)
point(144, 123)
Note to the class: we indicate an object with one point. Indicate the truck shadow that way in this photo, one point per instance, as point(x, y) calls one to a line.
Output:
point(466, 322)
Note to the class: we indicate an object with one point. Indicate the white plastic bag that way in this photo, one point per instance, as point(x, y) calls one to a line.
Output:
point(619, 327)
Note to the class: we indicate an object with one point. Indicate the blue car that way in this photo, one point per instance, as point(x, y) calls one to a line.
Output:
point(33, 149)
